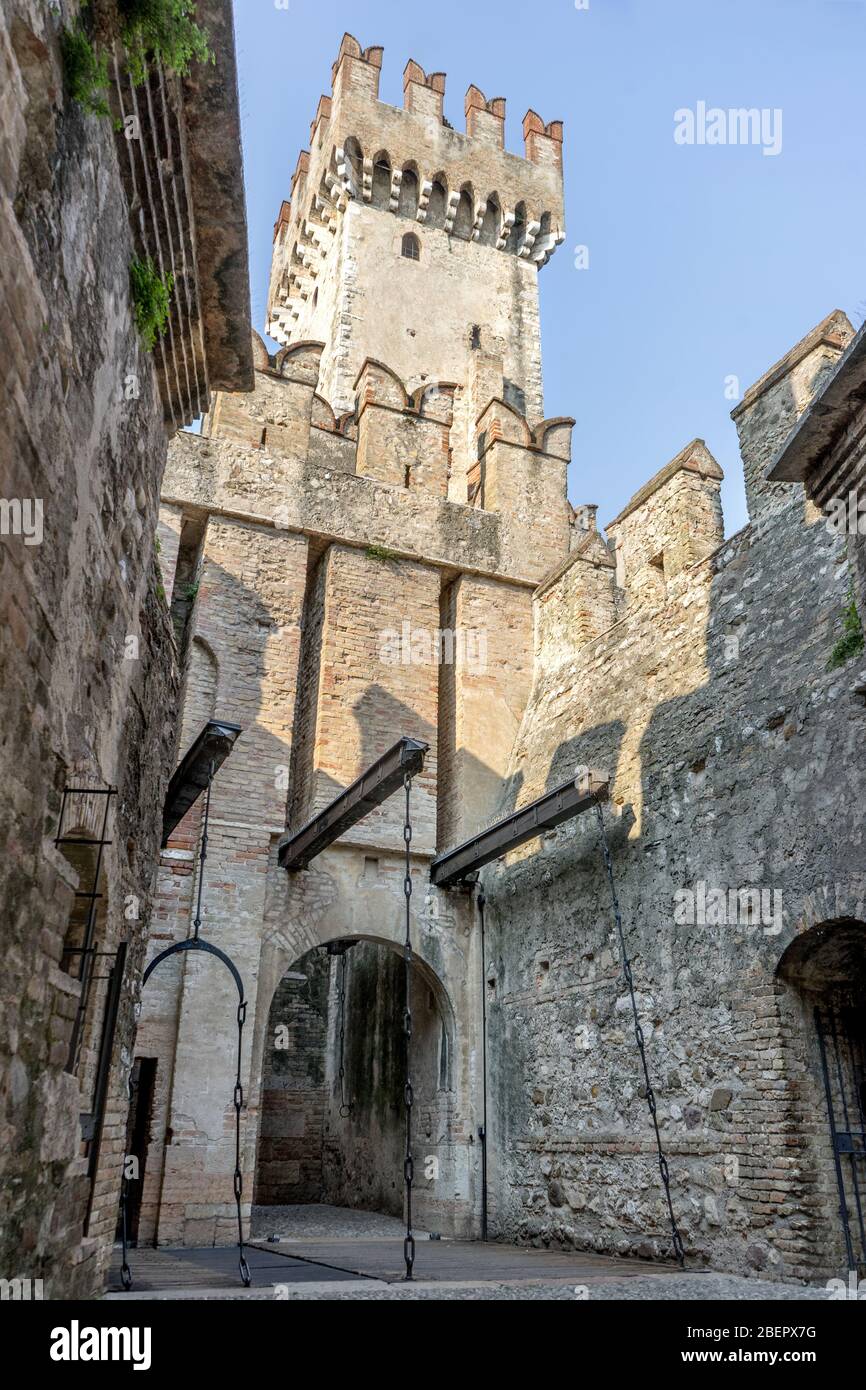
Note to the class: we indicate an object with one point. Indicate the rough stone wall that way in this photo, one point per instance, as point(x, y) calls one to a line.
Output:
point(364, 1149)
point(247, 616)
point(368, 633)
point(76, 711)
point(293, 1101)
point(455, 285)
point(773, 405)
point(365, 699)
point(280, 456)
point(730, 749)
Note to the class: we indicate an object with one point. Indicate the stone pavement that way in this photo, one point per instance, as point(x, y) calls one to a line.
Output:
point(336, 1253)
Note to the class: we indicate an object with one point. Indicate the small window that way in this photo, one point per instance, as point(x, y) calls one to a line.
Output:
point(411, 247)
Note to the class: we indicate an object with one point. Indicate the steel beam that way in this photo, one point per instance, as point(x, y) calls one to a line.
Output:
point(562, 804)
point(203, 758)
point(372, 788)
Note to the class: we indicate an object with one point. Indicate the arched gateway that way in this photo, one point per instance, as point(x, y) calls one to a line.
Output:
point(825, 970)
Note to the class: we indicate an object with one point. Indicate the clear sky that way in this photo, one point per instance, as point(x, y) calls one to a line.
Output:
point(705, 261)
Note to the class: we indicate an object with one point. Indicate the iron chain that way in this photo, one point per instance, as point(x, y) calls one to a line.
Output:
point(408, 1094)
point(345, 1106)
point(244, 1268)
point(679, 1249)
point(125, 1271)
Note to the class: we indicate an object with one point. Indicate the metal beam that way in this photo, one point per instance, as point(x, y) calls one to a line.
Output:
point(203, 758)
point(372, 788)
point(562, 804)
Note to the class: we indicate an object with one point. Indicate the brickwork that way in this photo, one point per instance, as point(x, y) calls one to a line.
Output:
point(391, 485)
point(728, 749)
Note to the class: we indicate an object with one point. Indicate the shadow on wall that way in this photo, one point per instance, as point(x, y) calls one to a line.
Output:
point(731, 748)
point(341, 1139)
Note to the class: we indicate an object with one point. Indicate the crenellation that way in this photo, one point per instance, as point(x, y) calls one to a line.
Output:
point(543, 143)
point(674, 521)
point(423, 94)
point(771, 408)
point(485, 120)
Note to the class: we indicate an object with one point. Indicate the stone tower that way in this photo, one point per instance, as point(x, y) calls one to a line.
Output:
point(350, 553)
point(415, 245)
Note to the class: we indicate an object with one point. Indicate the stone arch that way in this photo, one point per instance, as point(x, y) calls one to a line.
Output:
point(491, 221)
point(410, 247)
point(407, 205)
point(340, 1141)
point(437, 205)
point(381, 187)
point(821, 980)
point(464, 217)
point(354, 153)
point(261, 356)
point(518, 229)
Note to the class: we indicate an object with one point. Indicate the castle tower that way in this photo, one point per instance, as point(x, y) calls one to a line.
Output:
point(413, 244)
point(350, 551)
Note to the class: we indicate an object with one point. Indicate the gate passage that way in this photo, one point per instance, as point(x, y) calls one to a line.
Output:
point(842, 1040)
point(459, 867)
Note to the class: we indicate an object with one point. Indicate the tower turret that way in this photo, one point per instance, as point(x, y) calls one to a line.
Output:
point(416, 245)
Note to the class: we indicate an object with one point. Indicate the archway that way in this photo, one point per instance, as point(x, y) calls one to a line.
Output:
point(825, 971)
point(332, 1111)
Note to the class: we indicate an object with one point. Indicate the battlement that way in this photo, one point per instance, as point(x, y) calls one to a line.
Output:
point(411, 163)
point(673, 521)
point(406, 439)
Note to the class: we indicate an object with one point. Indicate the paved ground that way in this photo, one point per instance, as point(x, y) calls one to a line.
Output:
point(327, 1223)
point(334, 1253)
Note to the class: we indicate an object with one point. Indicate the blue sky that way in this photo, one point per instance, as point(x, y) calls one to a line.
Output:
point(705, 262)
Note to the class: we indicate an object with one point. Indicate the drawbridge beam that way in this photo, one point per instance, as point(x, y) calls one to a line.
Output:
point(374, 786)
point(571, 799)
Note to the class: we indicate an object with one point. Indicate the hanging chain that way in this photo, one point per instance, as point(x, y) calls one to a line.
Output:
point(345, 1107)
point(125, 1271)
point(679, 1249)
point(239, 1181)
point(408, 1167)
point(203, 853)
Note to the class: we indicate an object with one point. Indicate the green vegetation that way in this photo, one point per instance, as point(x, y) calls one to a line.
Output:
point(851, 642)
point(381, 552)
point(85, 70)
point(151, 297)
point(152, 31)
point(162, 31)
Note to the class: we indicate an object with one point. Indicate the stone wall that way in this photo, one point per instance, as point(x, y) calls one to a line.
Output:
point(84, 705)
point(294, 1097)
point(731, 749)
point(87, 650)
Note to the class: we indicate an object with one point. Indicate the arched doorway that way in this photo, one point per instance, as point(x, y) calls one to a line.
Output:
point(825, 969)
point(332, 1118)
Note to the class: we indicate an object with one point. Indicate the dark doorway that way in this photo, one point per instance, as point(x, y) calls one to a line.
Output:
point(842, 1039)
point(142, 1083)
